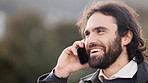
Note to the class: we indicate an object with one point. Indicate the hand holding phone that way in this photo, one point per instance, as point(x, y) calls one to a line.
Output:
point(82, 55)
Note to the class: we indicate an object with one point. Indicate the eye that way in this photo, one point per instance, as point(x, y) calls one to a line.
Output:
point(87, 33)
point(100, 31)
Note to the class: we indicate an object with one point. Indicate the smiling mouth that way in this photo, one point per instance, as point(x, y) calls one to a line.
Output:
point(96, 52)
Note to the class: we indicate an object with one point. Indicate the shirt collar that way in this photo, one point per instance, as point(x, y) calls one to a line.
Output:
point(128, 71)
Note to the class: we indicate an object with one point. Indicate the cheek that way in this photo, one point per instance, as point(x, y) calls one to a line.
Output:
point(106, 41)
point(109, 43)
point(85, 42)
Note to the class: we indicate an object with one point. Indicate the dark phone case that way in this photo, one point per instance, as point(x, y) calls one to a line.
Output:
point(83, 56)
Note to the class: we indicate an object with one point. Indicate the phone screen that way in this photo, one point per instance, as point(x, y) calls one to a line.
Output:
point(83, 56)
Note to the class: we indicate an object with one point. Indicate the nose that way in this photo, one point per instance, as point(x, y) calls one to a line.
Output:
point(93, 38)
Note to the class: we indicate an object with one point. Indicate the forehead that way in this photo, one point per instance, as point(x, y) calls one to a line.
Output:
point(101, 20)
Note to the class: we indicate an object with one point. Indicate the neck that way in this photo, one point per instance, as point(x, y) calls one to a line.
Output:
point(121, 61)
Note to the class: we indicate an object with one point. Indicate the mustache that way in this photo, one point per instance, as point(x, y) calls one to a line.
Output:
point(93, 45)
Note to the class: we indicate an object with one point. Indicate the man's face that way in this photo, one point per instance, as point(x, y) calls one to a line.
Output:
point(102, 41)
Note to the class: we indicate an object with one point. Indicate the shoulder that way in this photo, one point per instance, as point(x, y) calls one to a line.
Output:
point(143, 65)
point(143, 68)
point(142, 72)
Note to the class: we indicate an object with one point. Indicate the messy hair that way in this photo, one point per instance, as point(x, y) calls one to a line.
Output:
point(126, 19)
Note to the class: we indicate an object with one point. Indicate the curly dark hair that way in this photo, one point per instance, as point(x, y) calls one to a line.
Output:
point(126, 18)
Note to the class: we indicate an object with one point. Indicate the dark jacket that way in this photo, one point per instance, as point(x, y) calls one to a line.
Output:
point(142, 76)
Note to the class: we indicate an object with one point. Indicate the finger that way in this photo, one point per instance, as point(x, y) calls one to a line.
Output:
point(71, 50)
point(74, 50)
point(68, 50)
point(78, 44)
point(74, 47)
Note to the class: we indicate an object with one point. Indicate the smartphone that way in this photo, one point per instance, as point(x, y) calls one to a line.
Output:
point(82, 55)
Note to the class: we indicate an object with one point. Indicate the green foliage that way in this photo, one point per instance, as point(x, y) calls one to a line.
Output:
point(29, 49)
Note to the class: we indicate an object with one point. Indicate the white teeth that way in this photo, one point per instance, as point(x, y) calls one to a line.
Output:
point(96, 50)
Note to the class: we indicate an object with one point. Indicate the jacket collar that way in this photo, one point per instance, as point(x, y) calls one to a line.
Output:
point(141, 74)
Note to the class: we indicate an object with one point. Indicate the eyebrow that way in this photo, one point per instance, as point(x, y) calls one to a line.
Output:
point(99, 27)
point(96, 28)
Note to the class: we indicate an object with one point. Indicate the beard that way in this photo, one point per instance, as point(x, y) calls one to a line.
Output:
point(107, 58)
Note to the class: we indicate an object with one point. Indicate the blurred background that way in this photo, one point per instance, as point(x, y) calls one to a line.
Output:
point(33, 33)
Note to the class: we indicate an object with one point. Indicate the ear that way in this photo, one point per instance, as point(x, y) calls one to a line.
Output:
point(127, 38)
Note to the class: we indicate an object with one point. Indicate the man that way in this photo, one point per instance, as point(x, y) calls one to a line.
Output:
point(113, 39)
